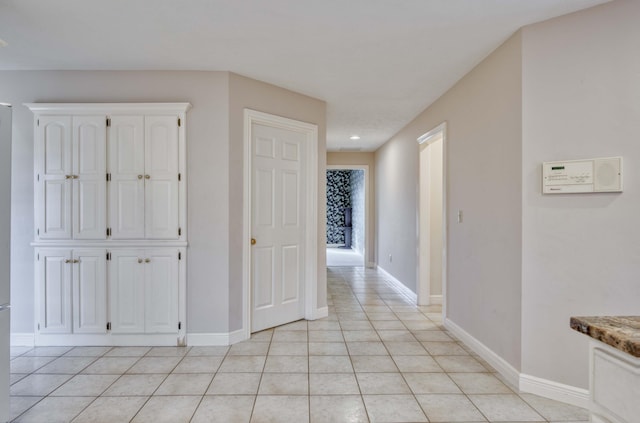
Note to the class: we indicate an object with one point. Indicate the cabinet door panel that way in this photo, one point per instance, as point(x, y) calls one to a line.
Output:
point(126, 165)
point(126, 291)
point(89, 164)
point(54, 276)
point(53, 184)
point(161, 291)
point(161, 164)
point(90, 291)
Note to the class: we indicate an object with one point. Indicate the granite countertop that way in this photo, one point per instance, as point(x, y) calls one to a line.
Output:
point(621, 332)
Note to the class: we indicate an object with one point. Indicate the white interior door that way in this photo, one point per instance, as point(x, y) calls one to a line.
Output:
point(161, 177)
point(126, 189)
point(53, 145)
point(90, 186)
point(278, 226)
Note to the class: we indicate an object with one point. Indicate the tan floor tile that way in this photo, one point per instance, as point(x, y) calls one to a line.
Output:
point(85, 385)
point(449, 408)
point(373, 364)
point(111, 409)
point(198, 364)
point(284, 384)
point(505, 408)
point(330, 364)
point(327, 348)
point(133, 385)
point(185, 384)
point(393, 408)
point(382, 383)
point(176, 409)
point(227, 409)
point(333, 409)
point(431, 383)
point(235, 384)
point(281, 408)
point(333, 384)
point(55, 410)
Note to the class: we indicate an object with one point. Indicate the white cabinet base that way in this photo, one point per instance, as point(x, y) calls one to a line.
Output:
point(615, 385)
point(133, 340)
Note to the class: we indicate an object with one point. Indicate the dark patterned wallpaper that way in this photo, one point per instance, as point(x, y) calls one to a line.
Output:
point(338, 197)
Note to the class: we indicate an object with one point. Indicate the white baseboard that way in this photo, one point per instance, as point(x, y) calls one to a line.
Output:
point(215, 339)
point(554, 390)
point(22, 340)
point(400, 287)
point(511, 375)
point(435, 299)
point(321, 313)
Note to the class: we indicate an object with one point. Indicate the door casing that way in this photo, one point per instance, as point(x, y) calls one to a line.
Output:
point(310, 197)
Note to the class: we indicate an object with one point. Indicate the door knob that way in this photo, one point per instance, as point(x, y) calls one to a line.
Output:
point(147, 176)
point(139, 260)
point(253, 241)
point(139, 176)
point(147, 260)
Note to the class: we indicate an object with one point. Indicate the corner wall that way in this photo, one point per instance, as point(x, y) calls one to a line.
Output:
point(483, 173)
point(581, 252)
point(249, 93)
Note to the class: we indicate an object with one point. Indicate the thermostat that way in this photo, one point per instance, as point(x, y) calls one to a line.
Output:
point(582, 176)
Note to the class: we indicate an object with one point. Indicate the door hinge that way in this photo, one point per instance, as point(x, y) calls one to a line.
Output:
point(38, 326)
point(38, 176)
point(108, 256)
point(108, 122)
point(179, 122)
point(108, 231)
point(108, 325)
point(179, 231)
point(179, 176)
point(38, 231)
point(179, 325)
point(38, 124)
point(108, 177)
point(179, 255)
point(38, 256)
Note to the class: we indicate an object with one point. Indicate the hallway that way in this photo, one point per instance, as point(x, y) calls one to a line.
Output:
point(377, 358)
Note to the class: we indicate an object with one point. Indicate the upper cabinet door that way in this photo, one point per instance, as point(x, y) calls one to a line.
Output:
point(89, 182)
point(161, 177)
point(126, 165)
point(54, 176)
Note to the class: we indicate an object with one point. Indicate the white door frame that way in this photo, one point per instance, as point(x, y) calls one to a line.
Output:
point(423, 286)
point(365, 168)
point(311, 201)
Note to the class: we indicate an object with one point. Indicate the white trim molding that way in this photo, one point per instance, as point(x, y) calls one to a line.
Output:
point(399, 286)
point(510, 374)
point(554, 390)
point(252, 117)
point(215, 339)
point(435, 299)
point(22, 340)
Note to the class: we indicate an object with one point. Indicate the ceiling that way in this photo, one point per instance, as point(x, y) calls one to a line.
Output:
point(377, 63)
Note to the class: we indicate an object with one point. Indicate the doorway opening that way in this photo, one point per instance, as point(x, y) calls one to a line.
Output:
point(432, 218)
point(347, 215)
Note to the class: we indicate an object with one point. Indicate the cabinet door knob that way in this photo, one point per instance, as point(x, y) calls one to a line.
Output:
point(68, 261)
point(75, 261)
point(139, 176)
point(147, 176)
point(68, 176)
point(147, 260)
point(139, 260)
point(253, 241)
point(74, 176)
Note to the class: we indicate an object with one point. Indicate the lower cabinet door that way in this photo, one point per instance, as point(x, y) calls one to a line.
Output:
point(161, 290)
point(54, 290)
point(89, 291)
point(127, 291)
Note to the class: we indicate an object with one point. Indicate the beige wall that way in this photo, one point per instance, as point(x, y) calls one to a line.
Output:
point(256, 95)
point(359, 159)
point(581, 252)
point(483, 171)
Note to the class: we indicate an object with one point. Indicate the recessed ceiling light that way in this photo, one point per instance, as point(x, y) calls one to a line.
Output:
point(3, 43)
point(354, 137)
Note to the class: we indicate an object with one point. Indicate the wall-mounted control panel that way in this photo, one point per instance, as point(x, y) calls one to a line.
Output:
point(581, 176)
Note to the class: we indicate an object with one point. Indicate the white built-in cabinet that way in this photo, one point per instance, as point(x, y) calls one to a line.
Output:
point(110, 223)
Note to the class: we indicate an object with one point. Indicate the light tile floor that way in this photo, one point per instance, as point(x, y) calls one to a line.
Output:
point(377, 358)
